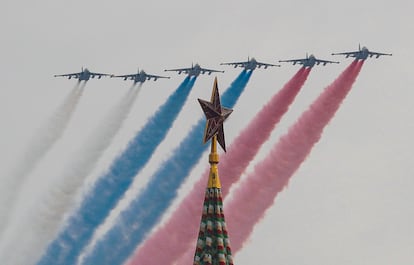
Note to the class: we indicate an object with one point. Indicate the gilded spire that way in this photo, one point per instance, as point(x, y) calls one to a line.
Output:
point(213, 246)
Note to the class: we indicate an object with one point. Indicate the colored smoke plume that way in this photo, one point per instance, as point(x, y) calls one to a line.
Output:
point(146, 210)
point(40, 224)
point(41, 143)
point(111, 186)
point(272, 174)
point(232, 165)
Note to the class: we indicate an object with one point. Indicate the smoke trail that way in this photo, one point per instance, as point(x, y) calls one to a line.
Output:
point(231, 166)
point(111, 186)
point(272, 174)
point(145, 211)
point(39, 226)
point(41, 143)
point(257, 192)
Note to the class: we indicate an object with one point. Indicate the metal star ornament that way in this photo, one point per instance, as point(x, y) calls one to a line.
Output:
point(216, 115)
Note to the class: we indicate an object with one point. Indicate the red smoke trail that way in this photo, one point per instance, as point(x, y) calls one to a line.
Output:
point(258, 190)
point(179, 233)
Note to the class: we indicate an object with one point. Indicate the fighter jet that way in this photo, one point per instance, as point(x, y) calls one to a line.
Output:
point(84, 75)
point(195, 70)
point(140, 76)
point(251, 64)
point(309, 61)
point(362, 54)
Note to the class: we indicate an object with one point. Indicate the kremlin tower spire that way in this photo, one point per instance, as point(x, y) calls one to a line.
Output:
point(213, 246)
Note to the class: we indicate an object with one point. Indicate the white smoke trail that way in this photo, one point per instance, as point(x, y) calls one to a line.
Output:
point(40, 221)
point(41, 143)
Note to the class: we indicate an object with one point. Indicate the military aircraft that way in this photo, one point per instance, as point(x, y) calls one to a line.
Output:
point(362, 54)
point(140, 76)
point(250, 64)
point(84, 75)
point(195, 70)
point(309, 61)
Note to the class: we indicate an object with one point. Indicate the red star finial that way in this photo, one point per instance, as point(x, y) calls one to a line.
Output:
point(216, 115)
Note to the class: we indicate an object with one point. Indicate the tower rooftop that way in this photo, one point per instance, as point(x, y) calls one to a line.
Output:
point(213, 245)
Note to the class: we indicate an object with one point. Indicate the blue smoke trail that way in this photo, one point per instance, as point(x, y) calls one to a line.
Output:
point(146, 210)
point(110, 187)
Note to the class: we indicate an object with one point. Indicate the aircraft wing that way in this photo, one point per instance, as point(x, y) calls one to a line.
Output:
point(155, 77)
point(266, 65)
point(179, 70)
point(241, 64)
point(125, 77)
point(378, 54)
point(99, 75)
point(294, 61)
point(209, 71)
point(323, 62)
point(347, 54)
point(75, 75)
point(147, 76)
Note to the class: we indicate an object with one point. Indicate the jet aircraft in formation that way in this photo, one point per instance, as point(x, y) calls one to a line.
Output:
point(140, 76)
point(83, 75)
point(309, 61)
point(195, 70)
point(250, 64)
point(362, 54)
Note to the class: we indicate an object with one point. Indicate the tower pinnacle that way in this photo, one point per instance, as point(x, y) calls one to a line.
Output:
point(213, 158)
point(213, 246)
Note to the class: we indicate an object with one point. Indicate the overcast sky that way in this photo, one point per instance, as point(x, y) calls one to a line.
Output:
point(349, 203)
